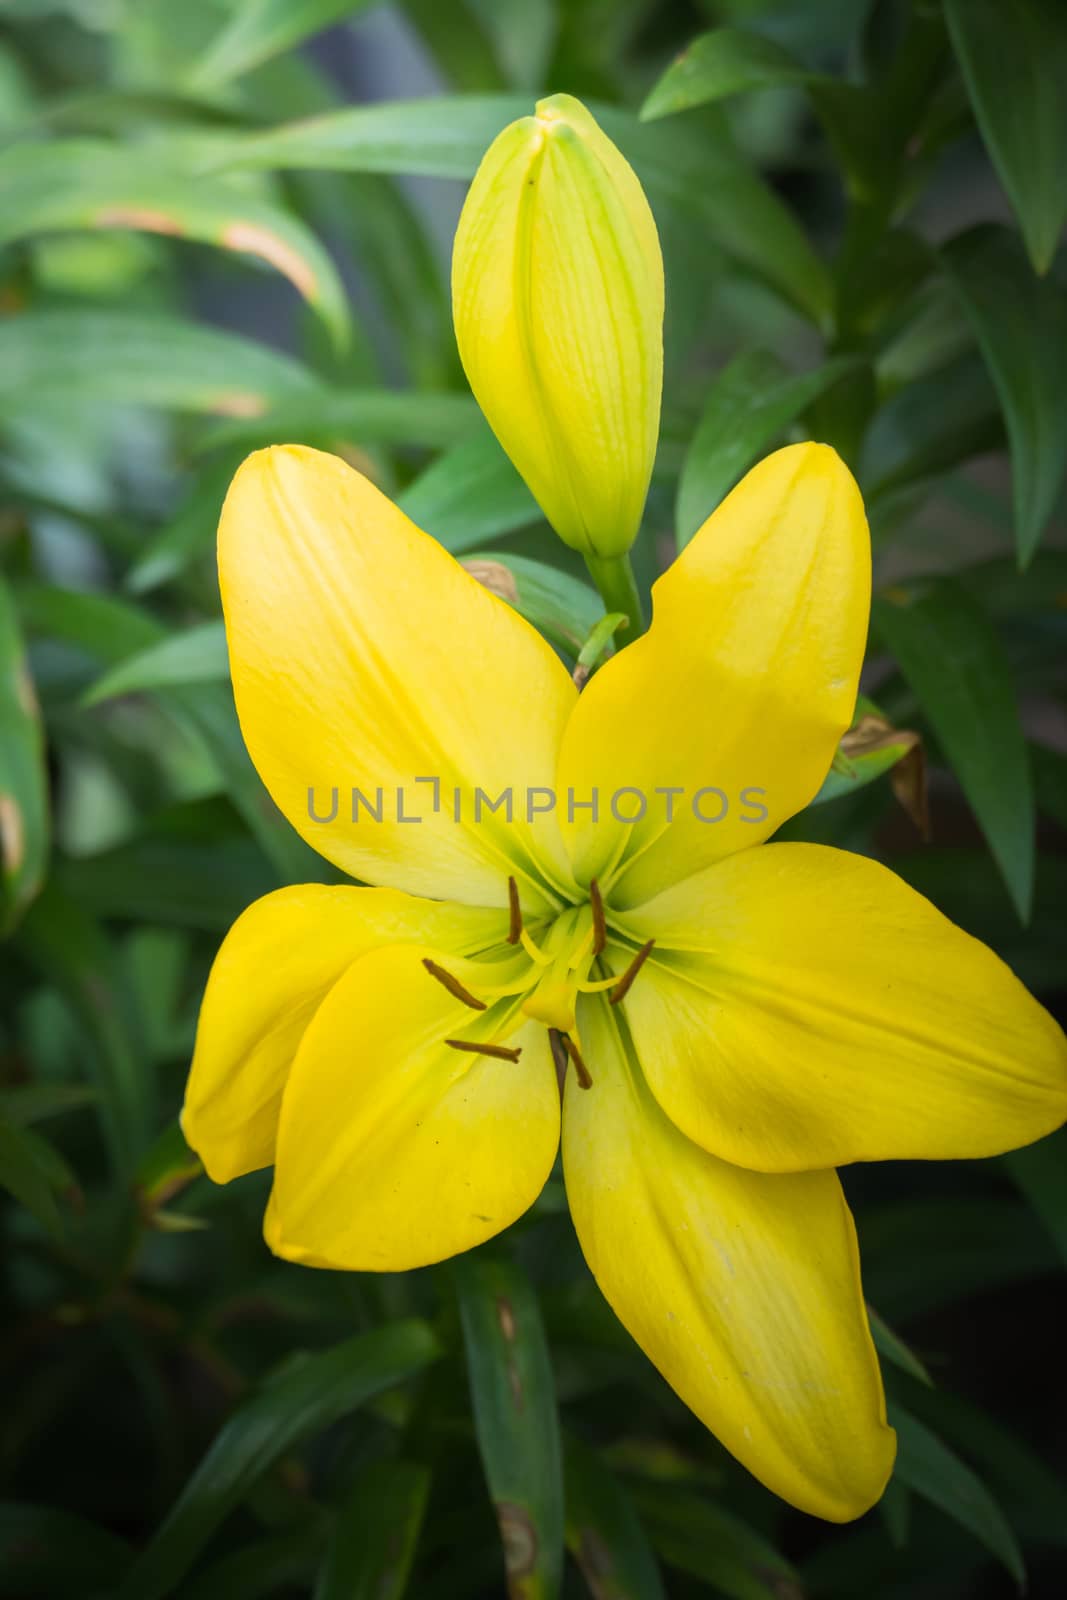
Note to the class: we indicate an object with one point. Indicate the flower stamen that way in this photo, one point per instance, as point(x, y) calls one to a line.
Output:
point(502, 1052)
point(453, 985)
point(622, 988)
point(514, 913)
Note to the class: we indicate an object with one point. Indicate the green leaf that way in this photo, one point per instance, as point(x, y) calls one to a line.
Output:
point(1014, 62)
point(560, 606)
point(604, 1533)
point(434, 138)
point(892, 1346)
point(750, 402)
point(89, 184)
point(515, 1418)
point(189, 534)
point(205, 880)
point(111, 630)
point(166, 1167)
point(725, 62)
point(929, 1467)
point(372, 1550)
point(259, 29)
point(34, 1102)
point(73, 952)
point(926, 427)
point(693, 169)
point(380, 416)
point(103, 626)
point(710, 1543)
point(729, 61)
point(470, 494)
point(1035, 1496)
point(308, 1394)
point(33, 1172)
point(135, 357)
point(952, 658)
point(196, 655)
point(870, 748)
point(24, 821)
point(1021, 327)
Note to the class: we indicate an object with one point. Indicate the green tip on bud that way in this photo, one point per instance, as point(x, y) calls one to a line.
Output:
point(557, 294)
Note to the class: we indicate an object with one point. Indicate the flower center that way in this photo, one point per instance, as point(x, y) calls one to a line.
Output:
point(560, 957)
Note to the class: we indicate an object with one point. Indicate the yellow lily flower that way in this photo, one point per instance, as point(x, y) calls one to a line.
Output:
point(732, 1019)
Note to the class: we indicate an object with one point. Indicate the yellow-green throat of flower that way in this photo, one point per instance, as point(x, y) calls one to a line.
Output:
point(539, 974)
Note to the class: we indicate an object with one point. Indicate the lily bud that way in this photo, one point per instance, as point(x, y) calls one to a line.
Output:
point(557, 295)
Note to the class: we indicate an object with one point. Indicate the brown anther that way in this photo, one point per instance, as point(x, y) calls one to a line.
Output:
point(453, 985)
point(622, 988)
point(514, 913)
point(502, 1052)
point(581, 1071)
point(600, 927)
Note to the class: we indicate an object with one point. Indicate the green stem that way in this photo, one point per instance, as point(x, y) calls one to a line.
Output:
point(614, 578)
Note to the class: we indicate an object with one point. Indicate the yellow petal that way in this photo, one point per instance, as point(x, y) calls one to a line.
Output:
point(805, 1008)
point(364, 657)
point(742, 1288)
point(557, 292)
point(395, 1150)
point(276, 965)
point(737, 695)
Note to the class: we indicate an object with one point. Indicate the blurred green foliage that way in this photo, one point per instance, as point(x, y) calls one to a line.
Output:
point(210, 239)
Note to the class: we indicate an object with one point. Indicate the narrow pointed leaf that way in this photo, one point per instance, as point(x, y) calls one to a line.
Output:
point(871, 748)
point(562, 607)
point(72, 951)
point(197, 655)
point(28, 1172)
point(1021, 326)
point(361, 416)
point(750, 402)
point(702, 1539)
point(952, 658)
point(139, 358)
point(892, 1346)
point(308, 1394)
point(470, 494)
point(730, 61)
point(932, 1470)
point(372, 1550)
point(515, 1418)
point(604, 1532)
point(89, 184)
point(1014, 62)
point(718, 64)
